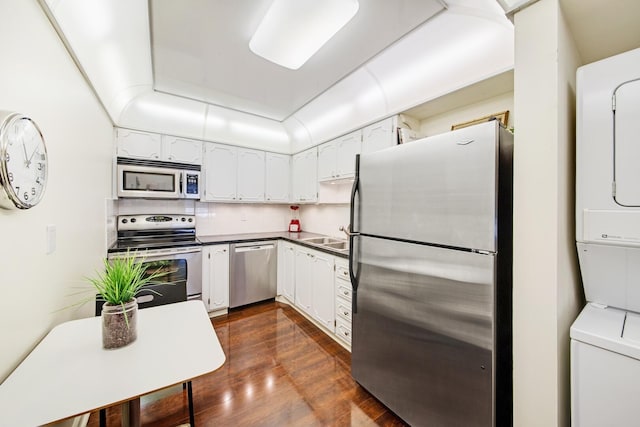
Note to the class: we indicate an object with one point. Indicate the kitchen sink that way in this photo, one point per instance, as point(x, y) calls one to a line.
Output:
point(341, 246)
point(321, 240)
point(334, 244)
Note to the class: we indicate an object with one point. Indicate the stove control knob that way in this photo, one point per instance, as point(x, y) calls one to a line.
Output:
point(183, 219)
point(190, 219)
point(125, 220)
point(133, 220)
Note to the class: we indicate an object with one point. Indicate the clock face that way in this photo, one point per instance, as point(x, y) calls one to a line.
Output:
point(23, 162)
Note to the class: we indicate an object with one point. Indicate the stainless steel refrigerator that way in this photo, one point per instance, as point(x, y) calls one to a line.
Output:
point(431, 268)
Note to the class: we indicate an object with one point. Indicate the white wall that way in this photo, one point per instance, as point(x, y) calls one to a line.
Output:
point(546, 281)
point(442, 122)
point(39, 79)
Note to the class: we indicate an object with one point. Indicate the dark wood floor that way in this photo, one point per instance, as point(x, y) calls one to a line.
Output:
point(280, 371)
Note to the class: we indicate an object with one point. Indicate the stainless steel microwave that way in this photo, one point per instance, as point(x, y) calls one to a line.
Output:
point(157, 180)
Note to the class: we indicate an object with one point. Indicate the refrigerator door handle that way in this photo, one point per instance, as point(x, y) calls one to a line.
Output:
point(353, 253)
point(353, 274)
point(355, 191)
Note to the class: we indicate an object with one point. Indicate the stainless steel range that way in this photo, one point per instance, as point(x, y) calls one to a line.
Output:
point(165, 242)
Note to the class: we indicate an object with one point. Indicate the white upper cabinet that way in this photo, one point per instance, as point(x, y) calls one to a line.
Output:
point(327, 161)
point(337, 158)
point(182, 150)
point(305, 176)
point(138, 145)
point(277, 177)
point(220, 170)
point(347, 148)
point(233, 174)
point(150, 146)
point(379, 135)
point(250, 177)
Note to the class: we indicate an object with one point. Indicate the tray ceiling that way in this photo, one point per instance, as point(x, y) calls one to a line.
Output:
point(200, 50)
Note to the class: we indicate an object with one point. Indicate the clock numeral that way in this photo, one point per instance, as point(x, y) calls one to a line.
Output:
point(33, 191)
point(10, 176)
point(40, 166)
point(26, 195)
point(7, 157)
point(38, 181)
point(17, 190)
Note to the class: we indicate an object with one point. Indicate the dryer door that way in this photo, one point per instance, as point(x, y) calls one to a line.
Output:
point(627, 143)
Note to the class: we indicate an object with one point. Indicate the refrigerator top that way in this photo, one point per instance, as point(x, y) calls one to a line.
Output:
point(440, 190)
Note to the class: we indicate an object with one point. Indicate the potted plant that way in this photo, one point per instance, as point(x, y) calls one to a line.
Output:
point(118, 285)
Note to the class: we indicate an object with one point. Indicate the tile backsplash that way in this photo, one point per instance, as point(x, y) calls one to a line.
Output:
point(236, 218)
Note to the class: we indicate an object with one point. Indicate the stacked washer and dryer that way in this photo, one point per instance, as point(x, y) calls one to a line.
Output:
point(605, 338)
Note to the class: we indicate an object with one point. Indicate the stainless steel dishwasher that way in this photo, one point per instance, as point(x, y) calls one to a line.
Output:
point(252, 276)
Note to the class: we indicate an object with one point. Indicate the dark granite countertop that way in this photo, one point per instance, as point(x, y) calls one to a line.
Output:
point(284, 235)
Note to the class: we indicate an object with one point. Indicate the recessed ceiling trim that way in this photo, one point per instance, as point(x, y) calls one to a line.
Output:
point(164, 92)
point(337, 82)
point(195, 68)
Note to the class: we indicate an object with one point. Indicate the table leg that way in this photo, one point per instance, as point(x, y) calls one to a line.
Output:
point(131, 413)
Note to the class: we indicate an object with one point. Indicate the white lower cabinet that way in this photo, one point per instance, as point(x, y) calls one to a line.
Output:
point(303, 271)
point(322, 290)
point(287, 271)
point(314, 288)
point(343, 301)
point(215, 276)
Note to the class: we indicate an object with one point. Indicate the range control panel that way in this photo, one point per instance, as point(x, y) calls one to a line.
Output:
point(154, 222)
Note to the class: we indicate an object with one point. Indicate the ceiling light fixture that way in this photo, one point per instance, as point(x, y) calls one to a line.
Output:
point(292, 31)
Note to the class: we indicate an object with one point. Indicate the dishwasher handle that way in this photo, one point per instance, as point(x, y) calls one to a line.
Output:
point(253, 248)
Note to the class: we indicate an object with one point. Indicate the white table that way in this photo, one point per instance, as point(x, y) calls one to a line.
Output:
point(69, 373)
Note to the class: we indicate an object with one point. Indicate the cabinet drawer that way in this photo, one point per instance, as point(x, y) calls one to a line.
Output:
point(343, 308)
point(343, 289)
point(342, 272)
point(343, 330)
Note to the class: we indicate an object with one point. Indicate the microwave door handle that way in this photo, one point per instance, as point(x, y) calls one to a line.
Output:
point(181, 176)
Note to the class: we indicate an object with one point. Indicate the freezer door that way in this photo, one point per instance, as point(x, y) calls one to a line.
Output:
point(439, 190)
point(423, 332)
point(627, 143)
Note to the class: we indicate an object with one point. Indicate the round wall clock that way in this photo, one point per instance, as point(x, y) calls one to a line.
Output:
point(23, 162)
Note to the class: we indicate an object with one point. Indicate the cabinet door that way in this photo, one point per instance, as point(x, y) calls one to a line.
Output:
point(250, 175)
point(378, 136)
point(277, 177)
point(215, 277)
point(322, 289)
point(327, 161)
point(181, 150)
point(308, 176)
point(138, 145)
point(286, 271)
point(220, 172)
point(303, 271)
point(347, 147)
point(304, 176)
point(297, 173)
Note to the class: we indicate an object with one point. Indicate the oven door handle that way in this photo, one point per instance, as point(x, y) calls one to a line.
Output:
point(157, 253)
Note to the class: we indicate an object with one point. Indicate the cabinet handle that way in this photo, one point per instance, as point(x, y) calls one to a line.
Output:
point(345, 273)
point(345, 292)
point(345, 333)
point(346, 313)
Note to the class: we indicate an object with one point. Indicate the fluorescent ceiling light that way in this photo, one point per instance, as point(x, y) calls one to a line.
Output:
point(293, 30)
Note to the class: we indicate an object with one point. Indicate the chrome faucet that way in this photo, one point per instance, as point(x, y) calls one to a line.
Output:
point(346, 230)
